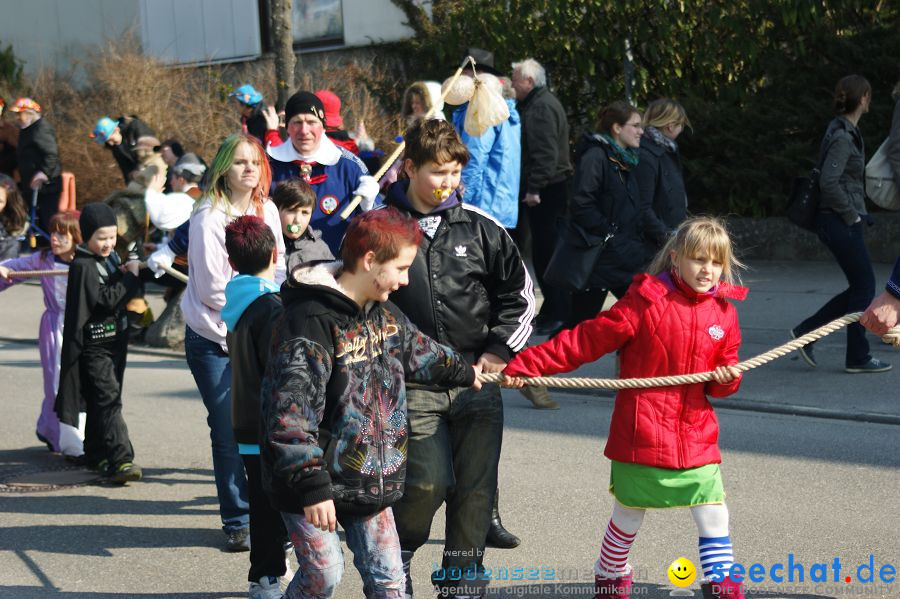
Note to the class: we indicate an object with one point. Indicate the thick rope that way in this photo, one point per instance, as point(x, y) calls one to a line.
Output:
point(892, 337)
point(27, 274)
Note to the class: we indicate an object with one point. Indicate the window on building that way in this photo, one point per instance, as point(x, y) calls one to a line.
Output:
point(318, 22)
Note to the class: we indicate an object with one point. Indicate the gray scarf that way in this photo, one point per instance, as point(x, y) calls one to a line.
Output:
point(654, 134)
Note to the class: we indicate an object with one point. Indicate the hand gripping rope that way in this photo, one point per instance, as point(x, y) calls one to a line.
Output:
point(892, 337)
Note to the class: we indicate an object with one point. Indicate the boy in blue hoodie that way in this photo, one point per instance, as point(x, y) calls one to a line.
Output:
point(252, 305)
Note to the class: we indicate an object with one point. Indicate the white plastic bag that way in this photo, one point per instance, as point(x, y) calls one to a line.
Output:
point(487, 108)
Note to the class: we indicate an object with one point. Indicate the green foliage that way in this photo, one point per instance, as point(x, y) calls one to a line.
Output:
point(10, 69)
point(755, 75)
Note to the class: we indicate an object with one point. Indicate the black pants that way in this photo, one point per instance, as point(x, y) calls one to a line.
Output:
point(849, 248)
point(587, 304)
point(102, 367)
point(543, 220)
point(267, 533)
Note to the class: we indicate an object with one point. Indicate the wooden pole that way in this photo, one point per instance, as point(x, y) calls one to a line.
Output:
point(345, 214)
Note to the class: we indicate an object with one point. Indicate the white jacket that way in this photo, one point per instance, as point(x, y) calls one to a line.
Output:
point(209, 270)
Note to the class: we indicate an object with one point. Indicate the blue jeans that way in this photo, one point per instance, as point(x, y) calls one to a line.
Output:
point(849, 248)
point(454, 449)
point(211, 369)
point(320, 560)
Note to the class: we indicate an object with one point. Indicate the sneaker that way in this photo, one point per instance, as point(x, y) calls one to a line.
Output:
point(125, 472)
point(267, 588)
point(101, 467)
point(613, 588)
point(806, 352)
point(238, 540)
point(873, 365)
point(539, 398)
point(726, 589)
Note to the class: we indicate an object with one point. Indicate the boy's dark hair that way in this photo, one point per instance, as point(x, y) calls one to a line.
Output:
point(250, 243)
point(293, 193)
point(434, 141)
point(382, 231)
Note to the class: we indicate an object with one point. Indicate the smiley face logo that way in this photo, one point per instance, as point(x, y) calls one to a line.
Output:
point(682, 572)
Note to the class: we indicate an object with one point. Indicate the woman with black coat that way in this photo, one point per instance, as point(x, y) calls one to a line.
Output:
point(841, 221)
point(607, 201)
point(659, 174)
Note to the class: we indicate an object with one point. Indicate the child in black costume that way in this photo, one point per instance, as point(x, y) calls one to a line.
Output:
point(95, 345)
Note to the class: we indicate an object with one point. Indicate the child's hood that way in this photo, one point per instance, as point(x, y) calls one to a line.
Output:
point(240, 292)
point(318, 281)
point(397, 197)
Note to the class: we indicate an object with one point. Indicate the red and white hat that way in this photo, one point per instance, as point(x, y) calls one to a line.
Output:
point(22, 104)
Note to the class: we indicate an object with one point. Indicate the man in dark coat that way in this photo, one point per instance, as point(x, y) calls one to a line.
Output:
point(546, 169)
point(121, 136)
point(38, 157)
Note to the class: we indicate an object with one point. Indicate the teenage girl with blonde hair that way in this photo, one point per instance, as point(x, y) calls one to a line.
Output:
point(663, 441)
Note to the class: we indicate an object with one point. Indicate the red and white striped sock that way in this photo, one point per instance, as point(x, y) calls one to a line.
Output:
point(614, 552)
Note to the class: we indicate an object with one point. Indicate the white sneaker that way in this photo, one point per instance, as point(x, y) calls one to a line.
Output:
point(268, 587)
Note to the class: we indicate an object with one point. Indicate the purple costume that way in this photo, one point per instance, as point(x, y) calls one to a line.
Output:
point(69, 440)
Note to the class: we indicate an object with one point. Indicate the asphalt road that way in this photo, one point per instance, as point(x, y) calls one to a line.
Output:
point(812, 488)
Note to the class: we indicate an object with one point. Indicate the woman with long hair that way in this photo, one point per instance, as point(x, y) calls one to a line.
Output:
point(659, 173)
point(841, 222)
point(238, 184)
point(607, 202)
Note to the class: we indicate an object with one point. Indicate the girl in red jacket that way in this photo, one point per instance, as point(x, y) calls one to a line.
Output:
point(663, 441)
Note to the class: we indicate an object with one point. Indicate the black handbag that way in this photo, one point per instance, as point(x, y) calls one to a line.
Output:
point(803, 201)
point(574, 257)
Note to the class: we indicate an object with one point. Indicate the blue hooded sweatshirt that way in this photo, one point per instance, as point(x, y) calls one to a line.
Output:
point(491, 178)
point(240, 292)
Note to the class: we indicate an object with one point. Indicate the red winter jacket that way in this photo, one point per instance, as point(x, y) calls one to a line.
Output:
point(662, 328)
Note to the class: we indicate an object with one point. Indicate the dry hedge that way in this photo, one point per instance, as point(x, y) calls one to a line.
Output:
point(189, 104)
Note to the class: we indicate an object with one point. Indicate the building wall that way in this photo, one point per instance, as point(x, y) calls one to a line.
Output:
point(200, 31)
point(50, 33)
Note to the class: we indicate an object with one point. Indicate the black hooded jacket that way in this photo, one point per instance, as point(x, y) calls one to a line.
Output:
point(333, 416)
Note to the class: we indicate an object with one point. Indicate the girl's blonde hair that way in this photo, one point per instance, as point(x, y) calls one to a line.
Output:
point(700, 235)
point(665, 111)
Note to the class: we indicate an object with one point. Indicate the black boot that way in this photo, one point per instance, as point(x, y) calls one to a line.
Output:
point(498, 536)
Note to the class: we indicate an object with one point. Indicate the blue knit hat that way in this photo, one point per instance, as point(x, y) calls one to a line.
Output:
point(246, 95)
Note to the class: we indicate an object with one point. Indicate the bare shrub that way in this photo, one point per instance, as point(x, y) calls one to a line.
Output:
point(190, 104)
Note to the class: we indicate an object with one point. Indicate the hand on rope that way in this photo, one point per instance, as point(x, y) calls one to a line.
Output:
point(892, 337)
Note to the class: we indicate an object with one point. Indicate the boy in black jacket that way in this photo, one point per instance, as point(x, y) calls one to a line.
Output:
point(252, 305)
point(334, 431)
point(468, 288)
point(95, 345)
